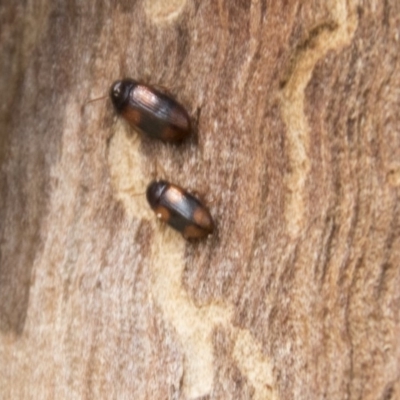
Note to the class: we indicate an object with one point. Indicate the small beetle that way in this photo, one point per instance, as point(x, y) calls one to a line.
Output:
point(179, 209)
point(150, 111)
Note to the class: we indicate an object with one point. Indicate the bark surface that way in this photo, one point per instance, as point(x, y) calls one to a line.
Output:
point(297, 153)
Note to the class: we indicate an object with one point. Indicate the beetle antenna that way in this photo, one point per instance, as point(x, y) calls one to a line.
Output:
point(96, 99)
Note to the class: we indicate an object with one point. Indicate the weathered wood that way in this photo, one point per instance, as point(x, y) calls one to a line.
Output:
point(297, 152)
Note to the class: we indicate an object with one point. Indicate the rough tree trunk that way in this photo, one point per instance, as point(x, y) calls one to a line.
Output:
point(297, 153)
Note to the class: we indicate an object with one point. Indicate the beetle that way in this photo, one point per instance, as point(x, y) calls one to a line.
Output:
point(179, 209)
point(150, 111)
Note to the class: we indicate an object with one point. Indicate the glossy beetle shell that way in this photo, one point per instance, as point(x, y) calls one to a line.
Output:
point(153, 113)
point(179, 209)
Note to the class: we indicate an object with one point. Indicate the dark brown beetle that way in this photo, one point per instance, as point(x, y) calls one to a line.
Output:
point(150, 111)
point(179, 209)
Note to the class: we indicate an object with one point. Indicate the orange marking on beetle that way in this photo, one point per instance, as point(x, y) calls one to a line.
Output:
point(194, 232)
point(202, 218)
point(174, 195)
point(170, 132)
point(162, 213)
point(132, 115)
point(179, 119)
point(145, 95)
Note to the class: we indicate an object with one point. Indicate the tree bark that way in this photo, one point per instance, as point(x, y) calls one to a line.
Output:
point(296, 151)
